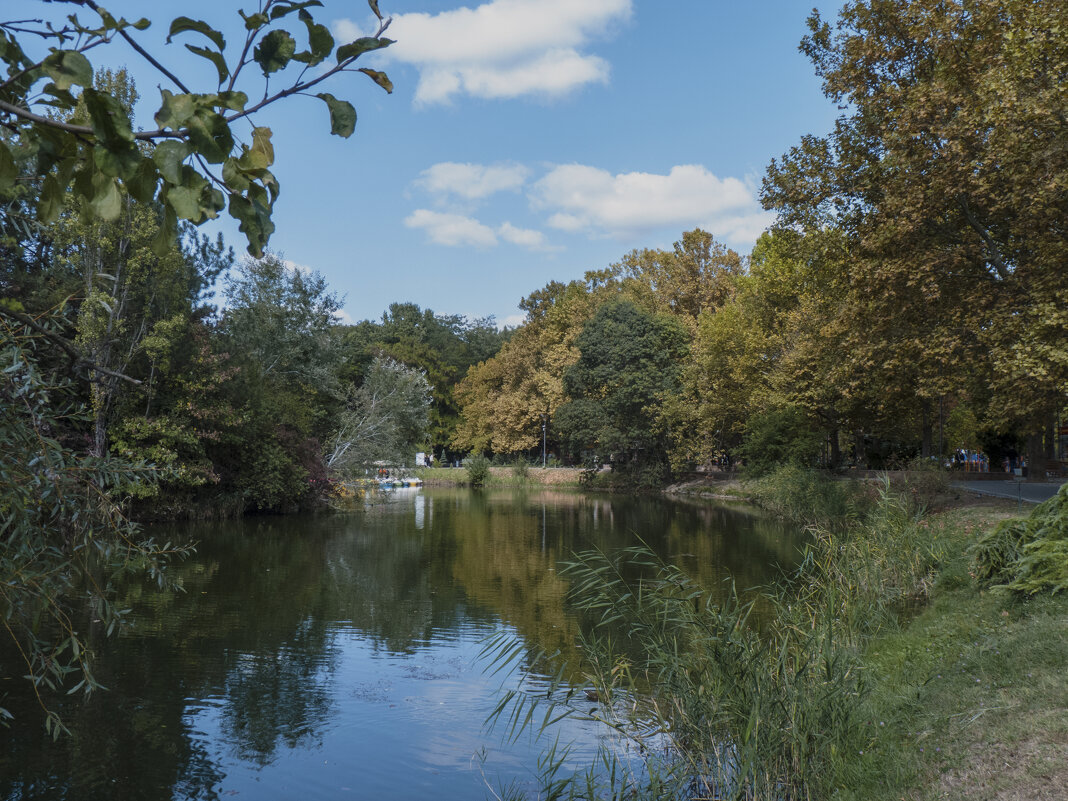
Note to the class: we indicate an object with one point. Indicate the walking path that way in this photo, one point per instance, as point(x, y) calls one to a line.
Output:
point(1032, 492)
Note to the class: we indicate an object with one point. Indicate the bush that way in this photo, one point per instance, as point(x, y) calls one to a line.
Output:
point(809, 497)
point(521, 469)
point(1031, 555)
point(477, 467)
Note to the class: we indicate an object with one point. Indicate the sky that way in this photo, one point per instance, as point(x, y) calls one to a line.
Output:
point(525, 141)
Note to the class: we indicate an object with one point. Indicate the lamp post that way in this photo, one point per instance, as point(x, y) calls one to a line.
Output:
point(543, 442)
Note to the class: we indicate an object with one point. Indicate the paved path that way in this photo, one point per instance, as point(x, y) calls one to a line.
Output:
point(1024, 490)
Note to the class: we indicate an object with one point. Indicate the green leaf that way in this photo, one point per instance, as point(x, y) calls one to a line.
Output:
point(210, 136)
point(262, 149)
point(51, 202)
point(282, 9)
point(274, 51)
point(255, 219)
point(142, 185)
point(8, 170)
point(168, 233)
point(185, 200)
point(378, 77)
point(214, 57)
point(67, 68)
point(106, 202)
point(62, 98)
point(233, 176)
point(175, 110)
point(120, 160)
point(255, 21)
point(320, 42)
point(360, 46)
point(235, 101)
point(181, 24)
point(141, 24)
point(110, 122)
point(168, 157)
point(374, 7)
point(342, 115)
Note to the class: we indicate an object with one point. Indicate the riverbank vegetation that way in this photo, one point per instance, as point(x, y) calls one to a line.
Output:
point(886, 667)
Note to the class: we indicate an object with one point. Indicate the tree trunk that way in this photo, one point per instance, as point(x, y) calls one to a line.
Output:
point(858, 445)
point(1036, 458)
point(836, 450)
point(927, 429)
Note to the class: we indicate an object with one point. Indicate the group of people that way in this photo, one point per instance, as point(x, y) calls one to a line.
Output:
point(977, 462)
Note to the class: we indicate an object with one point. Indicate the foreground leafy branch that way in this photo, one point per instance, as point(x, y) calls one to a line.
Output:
point(193, 163)
point(64, 539)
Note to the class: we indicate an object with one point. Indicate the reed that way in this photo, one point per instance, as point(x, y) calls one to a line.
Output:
point(702, 703)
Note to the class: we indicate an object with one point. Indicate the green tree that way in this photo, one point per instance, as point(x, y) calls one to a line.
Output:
point(64, 538)
point(444, 347)
point(947, 175)
point(629, 363)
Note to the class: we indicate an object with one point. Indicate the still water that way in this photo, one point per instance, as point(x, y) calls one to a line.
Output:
point(337, 657)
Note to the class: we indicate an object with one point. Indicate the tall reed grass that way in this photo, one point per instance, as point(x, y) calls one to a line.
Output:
point(704, 704)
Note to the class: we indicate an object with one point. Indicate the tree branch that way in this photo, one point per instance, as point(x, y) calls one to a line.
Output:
point(1003, 270)
point(77, 359)
point(148, 56)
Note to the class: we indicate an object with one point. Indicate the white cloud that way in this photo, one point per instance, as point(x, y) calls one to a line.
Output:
point(472, 181)
point(502, 48)
point(583, 198)
point(512, 321)
point(342, 317)
point(452, 230)
point(524, 237)
point(456, 230)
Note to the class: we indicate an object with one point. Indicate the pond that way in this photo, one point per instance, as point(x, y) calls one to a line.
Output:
point(337, 657)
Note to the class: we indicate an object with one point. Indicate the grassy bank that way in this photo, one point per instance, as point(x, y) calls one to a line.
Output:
point(559, 477)
point(969, 698)
point(887, 671)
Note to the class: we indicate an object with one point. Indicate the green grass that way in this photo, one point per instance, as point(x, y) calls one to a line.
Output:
point(888, 672)
point(969, 699)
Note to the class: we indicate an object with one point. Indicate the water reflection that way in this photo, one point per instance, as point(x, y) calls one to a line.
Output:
point(336, 657)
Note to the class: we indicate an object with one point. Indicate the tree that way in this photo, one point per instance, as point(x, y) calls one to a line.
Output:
point(629, 362)
point(505, 400)
point(64, 538)
point(193, 164)
point(385, 419)
point(697, 275)
point(284, 319)
point(947, 175)
point(444, 347)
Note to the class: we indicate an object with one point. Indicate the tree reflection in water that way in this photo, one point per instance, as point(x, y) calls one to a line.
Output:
point(309, 655)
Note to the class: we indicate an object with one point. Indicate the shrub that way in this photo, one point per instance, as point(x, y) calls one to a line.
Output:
point(521, 469)
point(809, 497)
point(477, 467)
point(1031, 555)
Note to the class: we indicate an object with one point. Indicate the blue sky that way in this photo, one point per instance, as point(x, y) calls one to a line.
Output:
point(525, 140)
